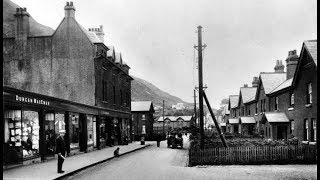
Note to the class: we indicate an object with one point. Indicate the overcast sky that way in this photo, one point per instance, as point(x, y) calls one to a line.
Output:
point(156, 37)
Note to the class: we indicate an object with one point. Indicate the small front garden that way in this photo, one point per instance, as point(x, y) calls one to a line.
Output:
point(248, 150)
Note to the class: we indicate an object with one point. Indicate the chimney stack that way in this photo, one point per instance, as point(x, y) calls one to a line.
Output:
point(255, 81)
point(69, 10)
point(22, 23)
point(245, 85)
point(279, 66)
point(292, 61)
point(99, 32)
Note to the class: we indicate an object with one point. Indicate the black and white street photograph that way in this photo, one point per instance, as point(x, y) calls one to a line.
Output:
point(159, 90)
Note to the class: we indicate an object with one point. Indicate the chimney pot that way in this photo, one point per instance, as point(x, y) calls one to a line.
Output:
point(69, 10)
point(245, 85)
point(292, 61)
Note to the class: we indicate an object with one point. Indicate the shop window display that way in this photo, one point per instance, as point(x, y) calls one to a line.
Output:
point(12, 149)
point(74, 130)
point(103, 129)
point(50, 133)
point(30, 133)
point(90, 129)
point(59, 123)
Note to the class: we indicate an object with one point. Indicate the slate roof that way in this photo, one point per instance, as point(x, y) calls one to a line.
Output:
point(252, 98)
point(275, 117)
point(185, 118)
point(233, 121)
point(312, 49)
point(272, 80)
point(247, 93)
point(285, 84)
point(233, 99)
point(141, 106)
point(226, 110)
point(247, 120)
point(91, 35)
point(174, 118)
point(118, 58)
point(110, 52)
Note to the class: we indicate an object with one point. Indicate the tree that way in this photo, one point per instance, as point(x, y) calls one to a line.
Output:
point(224, 101)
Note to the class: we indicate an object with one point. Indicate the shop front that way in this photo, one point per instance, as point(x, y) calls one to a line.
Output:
point(32, 122)
point(113, 128)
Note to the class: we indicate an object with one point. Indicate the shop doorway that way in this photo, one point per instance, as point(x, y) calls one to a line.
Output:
point(94, 129)
point(83, 132)
point(50, 136)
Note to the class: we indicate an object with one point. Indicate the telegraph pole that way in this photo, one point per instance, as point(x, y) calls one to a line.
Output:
point(195, 107)
point(163, 116)
point(200, 49)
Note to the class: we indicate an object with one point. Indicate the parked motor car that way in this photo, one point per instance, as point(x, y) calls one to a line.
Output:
point(174, 140)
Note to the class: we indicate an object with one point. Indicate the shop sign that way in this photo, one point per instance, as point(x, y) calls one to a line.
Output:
point(31, 100)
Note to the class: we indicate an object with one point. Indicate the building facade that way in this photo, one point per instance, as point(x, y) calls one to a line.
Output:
point(168, 123)
point(61, 81)
point(285, 103)
point(305, 93)
point(142, 119)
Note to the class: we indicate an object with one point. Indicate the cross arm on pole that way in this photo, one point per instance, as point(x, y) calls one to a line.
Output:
point(204, 46)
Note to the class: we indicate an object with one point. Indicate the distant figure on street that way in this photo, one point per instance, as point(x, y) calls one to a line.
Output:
point(158, 140)
point(60, 149)
point(116, 152)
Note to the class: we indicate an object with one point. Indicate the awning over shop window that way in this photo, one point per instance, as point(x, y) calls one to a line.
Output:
point(274, 117)
point(247, 120)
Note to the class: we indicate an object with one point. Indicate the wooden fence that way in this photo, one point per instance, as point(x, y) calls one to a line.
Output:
point(253, 155)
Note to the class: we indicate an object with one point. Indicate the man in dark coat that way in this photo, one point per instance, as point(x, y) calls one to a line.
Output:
point(60, 150)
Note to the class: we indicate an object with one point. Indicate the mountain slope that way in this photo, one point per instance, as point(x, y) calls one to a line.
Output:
point(36, 29)
point(142, 90)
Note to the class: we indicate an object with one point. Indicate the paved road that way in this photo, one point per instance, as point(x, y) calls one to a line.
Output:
point(165, 163)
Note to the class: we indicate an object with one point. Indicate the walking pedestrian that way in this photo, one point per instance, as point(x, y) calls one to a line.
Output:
point(60, 149)
point(158, 140)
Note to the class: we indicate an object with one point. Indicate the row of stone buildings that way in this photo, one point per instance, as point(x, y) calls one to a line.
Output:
point(68, 79)
point(280, 104)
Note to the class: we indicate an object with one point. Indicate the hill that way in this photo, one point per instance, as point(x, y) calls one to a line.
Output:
point(36, 29)
point(142, 90)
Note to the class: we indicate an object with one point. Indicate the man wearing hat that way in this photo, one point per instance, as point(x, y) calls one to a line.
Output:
point(60, 149)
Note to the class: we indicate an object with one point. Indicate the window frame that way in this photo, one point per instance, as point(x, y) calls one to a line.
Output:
point(306, 130)
point(291, 99)
point(309, 93)
point(276, 103)
point(292, 126)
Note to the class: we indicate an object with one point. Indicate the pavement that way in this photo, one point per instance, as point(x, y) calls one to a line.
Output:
point(71, 165)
